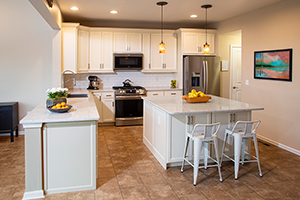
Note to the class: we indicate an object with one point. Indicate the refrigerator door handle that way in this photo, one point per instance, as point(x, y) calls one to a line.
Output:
point(205, 77)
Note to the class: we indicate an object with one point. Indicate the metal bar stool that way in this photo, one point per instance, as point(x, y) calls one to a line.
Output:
point(241, 131)
point(202, 135)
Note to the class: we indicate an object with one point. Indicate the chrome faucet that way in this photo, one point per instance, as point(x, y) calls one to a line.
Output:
point(63, 77)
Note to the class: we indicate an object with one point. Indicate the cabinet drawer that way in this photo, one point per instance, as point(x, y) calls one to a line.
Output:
point(110, 95)
point(155, 93)
point(173, 93)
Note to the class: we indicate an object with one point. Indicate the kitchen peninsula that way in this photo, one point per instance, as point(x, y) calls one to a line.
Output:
point(167, 119)
point(61, 148)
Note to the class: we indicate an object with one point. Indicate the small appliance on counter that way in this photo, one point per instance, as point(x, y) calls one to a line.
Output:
point(94, 83)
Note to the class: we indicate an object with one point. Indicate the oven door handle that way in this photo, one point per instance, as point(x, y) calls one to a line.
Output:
point(128, 97)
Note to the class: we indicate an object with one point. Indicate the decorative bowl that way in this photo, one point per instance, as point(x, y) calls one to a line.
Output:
point(196, 99)
point(60, 110)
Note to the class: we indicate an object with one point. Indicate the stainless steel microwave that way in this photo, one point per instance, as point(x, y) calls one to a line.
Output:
point(124, 61)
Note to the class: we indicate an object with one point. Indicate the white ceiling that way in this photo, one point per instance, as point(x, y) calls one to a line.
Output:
point(146, 14)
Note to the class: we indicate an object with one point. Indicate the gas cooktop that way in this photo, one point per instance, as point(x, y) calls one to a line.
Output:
point(128, 87)
point(130, 90)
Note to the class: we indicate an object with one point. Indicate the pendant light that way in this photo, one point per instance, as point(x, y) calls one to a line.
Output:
point(206, 45)
point(162, 44)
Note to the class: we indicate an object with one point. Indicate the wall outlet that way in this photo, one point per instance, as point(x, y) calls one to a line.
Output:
point(247, 82)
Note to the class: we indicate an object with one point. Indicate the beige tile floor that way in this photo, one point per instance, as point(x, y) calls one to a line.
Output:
point(127, 170)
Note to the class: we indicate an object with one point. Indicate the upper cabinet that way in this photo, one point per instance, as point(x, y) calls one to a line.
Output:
point(83, 50)
point(127, 42)
point(69, 46)
point(192, 40)
point(101, 51)
point(155, 62)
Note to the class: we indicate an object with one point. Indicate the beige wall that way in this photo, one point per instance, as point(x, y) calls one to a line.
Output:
point(27, 43)
point(273, 27)
point(225, 40)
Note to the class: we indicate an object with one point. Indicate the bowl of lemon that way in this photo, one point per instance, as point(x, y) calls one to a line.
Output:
point(60, 108)
point(196, 97)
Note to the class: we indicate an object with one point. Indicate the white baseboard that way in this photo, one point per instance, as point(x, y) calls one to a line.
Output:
point(38, 194)
point(282, 146)
point(8, 134)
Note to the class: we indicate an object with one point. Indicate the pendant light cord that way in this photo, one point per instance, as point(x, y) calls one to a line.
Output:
point(206, 25)
point(162, 26)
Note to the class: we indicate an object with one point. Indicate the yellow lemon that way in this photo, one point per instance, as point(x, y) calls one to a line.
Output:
point(53, 107)
point(58, 105)
point(67, 107)
point(63, 103)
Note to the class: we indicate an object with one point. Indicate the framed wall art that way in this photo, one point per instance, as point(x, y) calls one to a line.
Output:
point(273, 64)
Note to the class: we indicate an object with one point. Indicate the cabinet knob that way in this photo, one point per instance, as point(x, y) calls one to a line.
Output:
point(234, 87)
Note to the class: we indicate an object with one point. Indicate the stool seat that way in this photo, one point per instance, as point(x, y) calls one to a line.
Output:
point(241, 131)
point(202, 135)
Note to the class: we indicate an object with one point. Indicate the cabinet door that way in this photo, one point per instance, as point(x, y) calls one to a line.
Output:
point(146, 51)
point(120, 42)
point(95, 51)
point(69, 48)
point(190, 43)
point(134, 42)
point(83, 50)
point(156, 58)
point(108, 110)
point(98, 102)
point(107, 51)
point(210, 41)
point(169, 58)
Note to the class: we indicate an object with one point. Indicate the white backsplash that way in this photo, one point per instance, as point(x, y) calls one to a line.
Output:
point(109, 80)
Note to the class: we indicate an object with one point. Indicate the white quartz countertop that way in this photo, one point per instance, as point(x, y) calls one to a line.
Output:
point(83, 109)
point(175, 105)
point(162, 89)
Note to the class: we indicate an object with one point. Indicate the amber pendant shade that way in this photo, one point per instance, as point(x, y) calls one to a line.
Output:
point(162, 47)
point(206, 48)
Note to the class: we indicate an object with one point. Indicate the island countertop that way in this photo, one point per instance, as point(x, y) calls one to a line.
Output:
point(175, 105)
point(83, 109)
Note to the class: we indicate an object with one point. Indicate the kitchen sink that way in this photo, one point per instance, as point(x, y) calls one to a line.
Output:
point(77, 95)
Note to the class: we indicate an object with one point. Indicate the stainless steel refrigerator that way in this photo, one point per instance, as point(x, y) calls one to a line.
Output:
point(201, 73)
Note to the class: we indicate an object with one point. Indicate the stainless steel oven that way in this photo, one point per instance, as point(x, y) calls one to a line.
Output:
point(129, 105)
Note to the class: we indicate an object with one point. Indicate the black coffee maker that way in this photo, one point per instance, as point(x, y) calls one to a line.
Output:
point(94, 83)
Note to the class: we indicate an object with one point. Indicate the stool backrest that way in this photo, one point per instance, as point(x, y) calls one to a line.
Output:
point(248, 127)
point(208, 130)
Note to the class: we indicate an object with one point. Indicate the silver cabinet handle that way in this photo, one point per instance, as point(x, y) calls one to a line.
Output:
point(88, 65)
point(188, 120)
point(173, 93)
point(149, 65)
point(155, 94)
point(113, 104)
point(108, 95)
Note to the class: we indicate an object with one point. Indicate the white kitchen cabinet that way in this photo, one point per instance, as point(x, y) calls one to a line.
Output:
point(83, 50)
point(146, 51)
point(69, 46)
point(127, 42)
point(101, 52)
point(155, 93)
point(193, 42)
point(173, 93)
point(105, 102)
point(160, 93)
point(163, 62)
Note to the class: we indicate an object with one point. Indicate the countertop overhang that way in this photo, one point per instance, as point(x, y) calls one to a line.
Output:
point(83, 109)
point(175, 105)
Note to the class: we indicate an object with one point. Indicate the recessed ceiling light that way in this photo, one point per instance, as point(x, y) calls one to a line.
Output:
point(113, 12)
point(193, 16)
point(74, 8)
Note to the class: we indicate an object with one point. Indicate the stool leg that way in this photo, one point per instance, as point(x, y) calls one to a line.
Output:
point(223, 148)
point(217, 156)
point(185, 150)
point(17, 131)
point(257, 156)
point(243, 151)
point(205, 153)
point(237, 153)
point(197, 149)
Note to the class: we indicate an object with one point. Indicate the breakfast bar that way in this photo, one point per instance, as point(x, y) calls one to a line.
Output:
point(60, 148)
point(167, 119)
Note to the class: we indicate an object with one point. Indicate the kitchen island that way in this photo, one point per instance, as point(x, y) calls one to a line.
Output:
point(166, 119)
point(61, 148)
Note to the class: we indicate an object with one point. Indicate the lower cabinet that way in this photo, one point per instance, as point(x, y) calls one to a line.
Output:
point(105, 102)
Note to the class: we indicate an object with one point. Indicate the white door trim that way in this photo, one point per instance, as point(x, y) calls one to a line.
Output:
point(231, 67)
